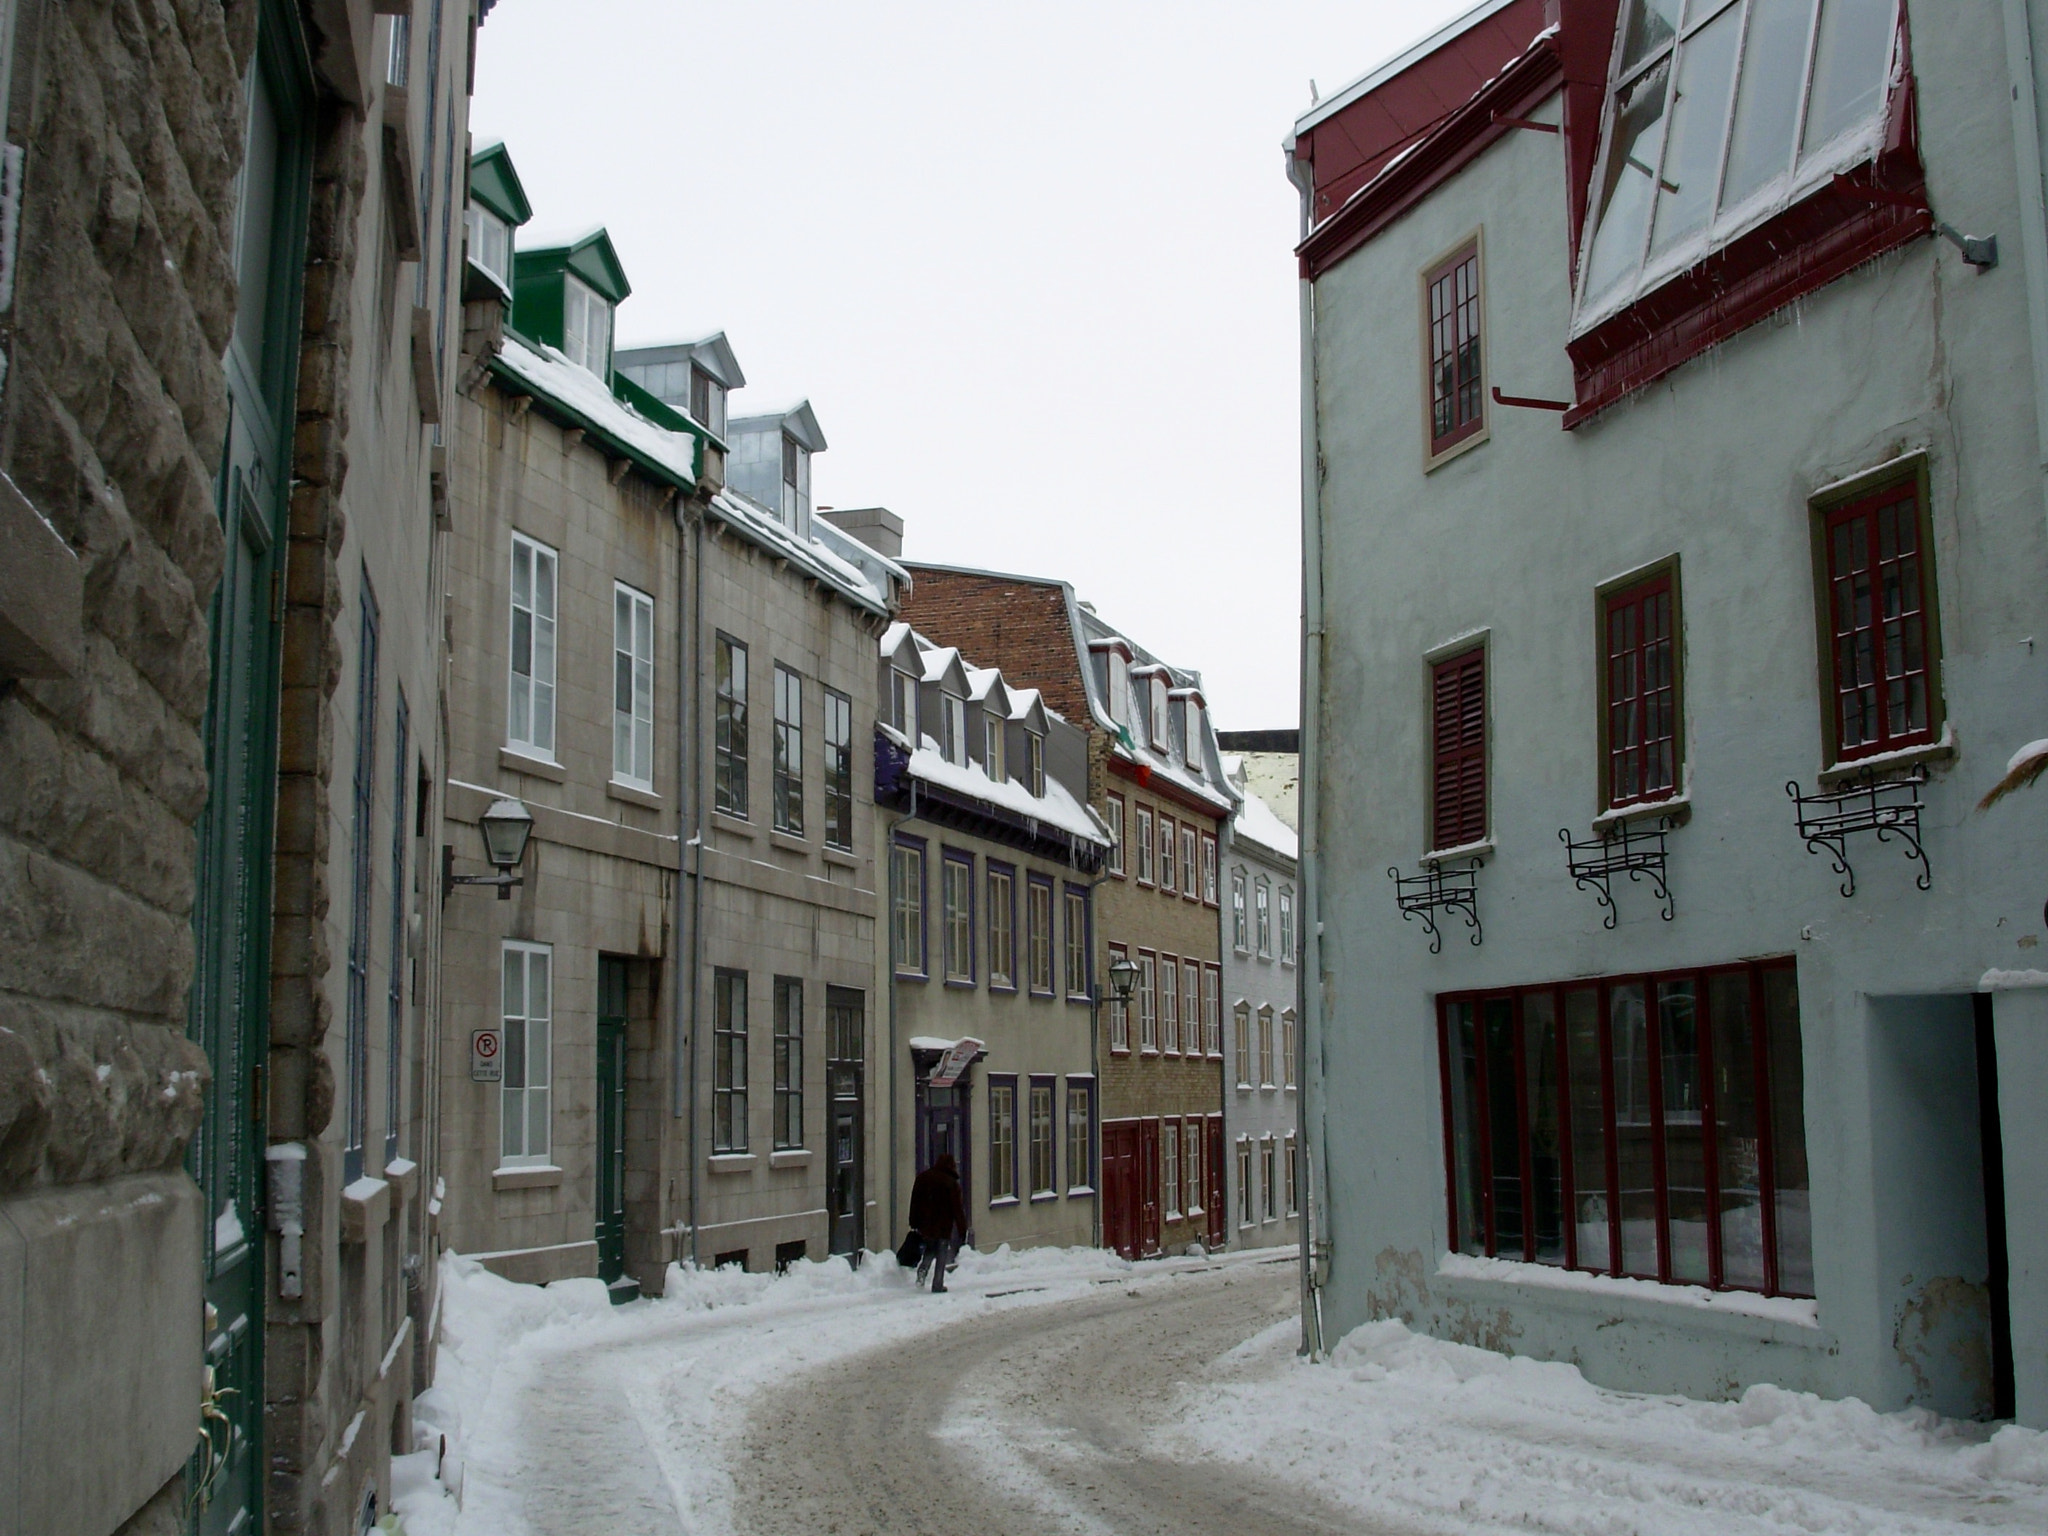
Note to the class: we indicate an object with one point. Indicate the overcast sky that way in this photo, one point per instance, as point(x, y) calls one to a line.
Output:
point(1030, 263)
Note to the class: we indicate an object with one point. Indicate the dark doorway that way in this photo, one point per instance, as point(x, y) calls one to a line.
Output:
point(942, 1126)
point(2003, 1392)
point(1148, 1186)
point(1120, 1187)
point(846, 1133)
point(1219, 1230)
point(612, 980)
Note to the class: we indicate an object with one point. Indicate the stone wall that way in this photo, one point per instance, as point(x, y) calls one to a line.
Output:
point(114, 414)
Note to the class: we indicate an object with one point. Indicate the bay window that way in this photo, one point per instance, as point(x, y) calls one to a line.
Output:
point(1648, 1126)
point(1719, 115)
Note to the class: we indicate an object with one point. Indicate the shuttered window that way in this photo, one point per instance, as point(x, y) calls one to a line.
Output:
point(1458, 738)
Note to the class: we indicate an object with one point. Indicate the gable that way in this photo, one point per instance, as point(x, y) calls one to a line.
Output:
point(494, 183)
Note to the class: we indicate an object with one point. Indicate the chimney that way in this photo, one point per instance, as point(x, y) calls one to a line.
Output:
point(877, 527)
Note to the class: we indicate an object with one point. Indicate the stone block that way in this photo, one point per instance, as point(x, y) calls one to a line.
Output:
point(41, 593)
point(108, 1273)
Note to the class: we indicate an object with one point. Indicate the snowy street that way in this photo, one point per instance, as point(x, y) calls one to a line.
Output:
point(1067, 1391)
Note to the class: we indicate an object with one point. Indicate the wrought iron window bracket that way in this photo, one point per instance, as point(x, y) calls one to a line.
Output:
point(1888, 806)
point(1437, 890)
point(1633, 848)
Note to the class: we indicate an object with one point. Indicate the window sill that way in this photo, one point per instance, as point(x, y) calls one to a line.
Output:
point(731, 825)
point(1081, 1191)
point(1004, 988)
point(365, 1207)
point(960, 984)
point(1044, 1195)
point(1494, 1282)
point(1482, 851)
point(788, 842)
point(1079, 998)
point(1041, 997)
point(913, 976)
point(845, 858)
point(535, 767)
point(1678, 807)
point(790, 1157)
point(1244, 1087)
point(1001, 1201)
point(732, 1162)
point(525, 1178)
point(632, 794)
point(1148, 1050)
point(1939, 751)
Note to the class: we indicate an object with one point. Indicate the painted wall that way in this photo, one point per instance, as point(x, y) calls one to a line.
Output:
point(1914, 353)
point(1251, 1109)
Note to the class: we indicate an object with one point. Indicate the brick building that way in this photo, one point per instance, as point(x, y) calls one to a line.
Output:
point(1155, 778)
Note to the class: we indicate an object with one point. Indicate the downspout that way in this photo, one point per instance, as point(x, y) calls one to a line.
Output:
point(1315, 1243)
point(700, 758)
point(895, 1046)
point(2026, 138)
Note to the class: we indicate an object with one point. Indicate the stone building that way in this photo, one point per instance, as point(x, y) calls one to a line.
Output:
point(1156, 781)
point(993, 858)
point(226, 347)
point(1673, 488)
point(1262, 1042)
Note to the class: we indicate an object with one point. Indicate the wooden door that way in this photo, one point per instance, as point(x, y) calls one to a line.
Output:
point(1219, 1228)
point(1148, 1186)
point(1120, 1187)
point(846, 1133)
point(611, 1118)
point(228, 1006)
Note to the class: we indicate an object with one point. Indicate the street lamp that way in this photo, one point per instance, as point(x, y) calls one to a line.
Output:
point(1123, 976)
point(506, 827)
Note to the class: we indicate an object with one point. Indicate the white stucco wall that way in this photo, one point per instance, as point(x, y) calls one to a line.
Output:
point(1714, 464)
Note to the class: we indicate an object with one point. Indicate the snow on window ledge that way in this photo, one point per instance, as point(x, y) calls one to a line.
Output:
point(1603, 1291)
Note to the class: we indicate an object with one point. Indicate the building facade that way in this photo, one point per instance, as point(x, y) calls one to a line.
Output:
point(981, 794)
point(1156, 781)
point(1262, 1040)
point(1700, 973)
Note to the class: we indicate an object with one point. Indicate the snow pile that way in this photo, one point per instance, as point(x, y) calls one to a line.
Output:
point(1401, 1427)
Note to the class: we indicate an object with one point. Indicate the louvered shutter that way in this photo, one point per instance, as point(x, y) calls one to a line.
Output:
point(1458, 705)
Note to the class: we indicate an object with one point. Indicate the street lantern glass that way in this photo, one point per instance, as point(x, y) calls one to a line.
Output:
point(1123, 976)
point(506, 826)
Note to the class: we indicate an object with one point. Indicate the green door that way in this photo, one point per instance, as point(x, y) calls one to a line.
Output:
point(611, 1118)
point(232, 905)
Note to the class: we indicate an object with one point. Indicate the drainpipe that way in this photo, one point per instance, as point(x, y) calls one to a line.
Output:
point(2026, 138)
point(700, 758)
point(895, 1046)
point(1315, 1242)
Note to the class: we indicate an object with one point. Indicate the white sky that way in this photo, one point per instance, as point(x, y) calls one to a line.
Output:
point(1030, 262)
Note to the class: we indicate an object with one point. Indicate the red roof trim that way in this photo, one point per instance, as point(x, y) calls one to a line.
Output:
point(1463, 136)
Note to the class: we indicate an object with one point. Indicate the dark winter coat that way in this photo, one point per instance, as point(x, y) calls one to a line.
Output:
point(937, 1213)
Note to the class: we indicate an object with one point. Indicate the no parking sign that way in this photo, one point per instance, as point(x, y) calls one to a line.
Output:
point(484, 1063)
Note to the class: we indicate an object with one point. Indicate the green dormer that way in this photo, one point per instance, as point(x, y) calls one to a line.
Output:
point(497, 206)
point(563, 293)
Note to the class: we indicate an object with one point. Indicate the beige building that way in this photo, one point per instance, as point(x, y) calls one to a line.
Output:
point(982, 810)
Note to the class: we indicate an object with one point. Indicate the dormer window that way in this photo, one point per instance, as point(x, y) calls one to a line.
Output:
point(953, 741)
point(1157, 687)
point(903, 714)
point(796, 484)
point(1191, 732)
point(707, 401)
point(1034, 763)
point(490, 243)
point(1721, 118)
point(586, 326)
point(992, 753)
point(1119, 688)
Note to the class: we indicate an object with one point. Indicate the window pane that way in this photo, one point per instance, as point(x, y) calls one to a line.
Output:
point(1651, 24)
point(1685, 1164)
point(1629, 1026)
point(1546, 1153)
point(1504, 1127)
point(1850, 62)
point(1589, 1135)
point(1788, 1133)
point(1625, 189)
point(1467, 1173)
point(1735, 1131)
point(1767, 102)
point(1699, 114)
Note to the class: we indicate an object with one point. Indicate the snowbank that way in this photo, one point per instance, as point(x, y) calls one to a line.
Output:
point(1407, 1428)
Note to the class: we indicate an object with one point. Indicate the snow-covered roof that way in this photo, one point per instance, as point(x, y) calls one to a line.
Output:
point(1055, 808)
point(546, 371)
point(1255, 822)
point(893, 637)
point(940, 660)
point(748, 517)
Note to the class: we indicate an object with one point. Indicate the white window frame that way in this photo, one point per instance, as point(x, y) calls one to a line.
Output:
point(1268, 1151)
point(1169, 865)
point(1115, 818)
point(1806, 167)
point(1191, 1007)
point(1212, 1011)
point(903, 708)
point(953, 713)
point(1191, 731)
point(1265, 1062)
point(993, 755)
point(1169, 1169)
point(632, 678)
point(1245, 1215)
point(488, 244)
point(1148, 1003)
point(1241, 1021)
point(1144, 870)
point(1080, 1129)
point(1286, 899)
point(1002, 927)
point(1190, 844)
point(1240, 916)
point(530, 692)
point(1191, 1132)
point(1074, 904)
point(1034, 763)
point(1155, 713)
point(1169, 1005)
point(1119, 1010)
point(529, 1100)
point(1209, 858)
point(1289, 1046)
point(1043, 1138)
point(1262, 915)
point(586, 326)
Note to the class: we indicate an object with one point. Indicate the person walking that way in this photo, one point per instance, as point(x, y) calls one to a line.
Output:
point(939, 1216)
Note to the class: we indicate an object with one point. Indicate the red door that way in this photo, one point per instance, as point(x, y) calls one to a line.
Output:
point(1218, 1228)
point(1148, 1185)
point(1120, 1187)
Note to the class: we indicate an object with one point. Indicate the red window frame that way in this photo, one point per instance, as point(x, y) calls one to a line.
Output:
point(1457, 687)
point(1640, 690)
point(1455, 403)
point(1882, 634)
point(1488, 1041)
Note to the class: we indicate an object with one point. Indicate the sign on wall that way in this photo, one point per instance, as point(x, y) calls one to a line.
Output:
point(485, 1065)
point(958, 1058)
